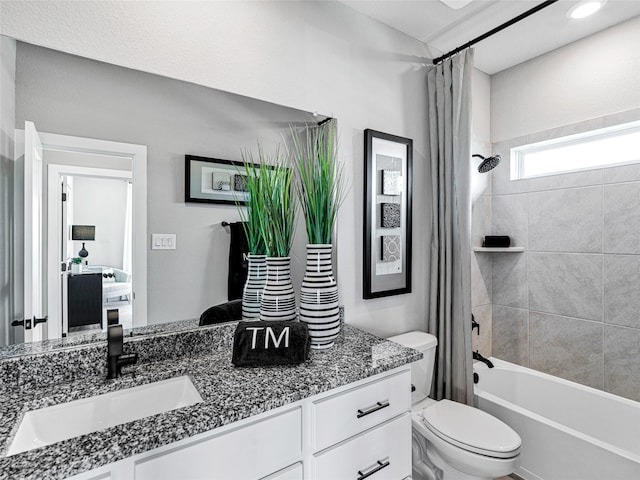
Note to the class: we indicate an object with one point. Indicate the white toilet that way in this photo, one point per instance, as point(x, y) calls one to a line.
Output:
point(461, 442)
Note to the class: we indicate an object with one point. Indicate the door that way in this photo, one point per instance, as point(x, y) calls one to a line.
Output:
point(34, 315)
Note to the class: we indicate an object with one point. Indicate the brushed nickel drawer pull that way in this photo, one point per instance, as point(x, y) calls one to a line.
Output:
point(375, 408)
point(379, 465)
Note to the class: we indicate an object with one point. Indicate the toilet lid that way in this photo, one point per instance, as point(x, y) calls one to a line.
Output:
point(471, 429)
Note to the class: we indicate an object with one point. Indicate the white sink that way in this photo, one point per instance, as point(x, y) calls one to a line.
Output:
point(67, 420)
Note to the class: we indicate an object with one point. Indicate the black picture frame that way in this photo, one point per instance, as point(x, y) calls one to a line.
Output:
point(200, 176)
point(387, 200)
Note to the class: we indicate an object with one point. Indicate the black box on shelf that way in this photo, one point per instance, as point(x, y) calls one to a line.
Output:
point(496, 241)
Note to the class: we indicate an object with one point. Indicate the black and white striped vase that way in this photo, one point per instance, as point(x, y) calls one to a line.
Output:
point(278, 299)
point(252, 292)
point(319, 297)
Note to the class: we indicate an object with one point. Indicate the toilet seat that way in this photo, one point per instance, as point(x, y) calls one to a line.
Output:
point(471, 429)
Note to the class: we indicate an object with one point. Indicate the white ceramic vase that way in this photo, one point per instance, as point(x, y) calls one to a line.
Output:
point(278, 300)
point(319, 297)
point(254, 286)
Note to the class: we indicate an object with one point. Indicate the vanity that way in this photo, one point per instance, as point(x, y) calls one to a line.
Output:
point(341, 414)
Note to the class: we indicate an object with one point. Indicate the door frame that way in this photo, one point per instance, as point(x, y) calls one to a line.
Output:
point(138, 156)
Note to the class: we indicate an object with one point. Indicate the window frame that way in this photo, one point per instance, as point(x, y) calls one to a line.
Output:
point(518, 154)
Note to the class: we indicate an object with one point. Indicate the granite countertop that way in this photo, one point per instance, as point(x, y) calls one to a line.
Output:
point(91, 337)
point(229, 394)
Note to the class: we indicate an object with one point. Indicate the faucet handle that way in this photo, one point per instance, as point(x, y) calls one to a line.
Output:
point(474, 324)
point(115, 340)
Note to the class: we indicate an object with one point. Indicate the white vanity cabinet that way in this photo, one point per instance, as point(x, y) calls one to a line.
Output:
point(250, 451)
point(362, 430)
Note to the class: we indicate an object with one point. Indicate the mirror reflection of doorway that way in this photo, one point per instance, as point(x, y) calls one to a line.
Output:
point(96, 251)
point(45, 158)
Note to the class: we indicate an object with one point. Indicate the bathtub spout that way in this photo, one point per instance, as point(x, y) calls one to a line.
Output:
point(477, 356)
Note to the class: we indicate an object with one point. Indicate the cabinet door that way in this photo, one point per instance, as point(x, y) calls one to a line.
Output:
point(85, 299)
point(293, 472)
point(382, 453)
point(248, 452)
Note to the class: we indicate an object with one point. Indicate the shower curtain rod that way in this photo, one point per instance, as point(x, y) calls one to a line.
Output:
point(499, 28)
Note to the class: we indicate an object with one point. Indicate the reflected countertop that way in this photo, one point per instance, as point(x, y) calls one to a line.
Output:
point(229, 394)
point(91, 337)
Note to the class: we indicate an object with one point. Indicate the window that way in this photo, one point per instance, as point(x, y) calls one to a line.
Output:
point(604, 147)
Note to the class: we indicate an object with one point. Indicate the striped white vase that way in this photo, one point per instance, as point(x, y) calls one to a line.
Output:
point(252, 292)
point(278, 300)
point(319, 297)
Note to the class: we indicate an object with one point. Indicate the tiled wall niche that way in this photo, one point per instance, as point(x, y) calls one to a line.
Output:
point(570, 304)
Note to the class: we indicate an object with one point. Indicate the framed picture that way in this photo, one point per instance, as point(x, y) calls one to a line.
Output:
point(211, 180)
point(387, 214)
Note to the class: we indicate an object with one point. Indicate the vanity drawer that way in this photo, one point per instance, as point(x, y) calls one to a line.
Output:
point(248, 452)
point(381, 453)
point(345, 414)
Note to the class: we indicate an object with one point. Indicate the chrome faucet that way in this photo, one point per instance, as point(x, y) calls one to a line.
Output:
point(116, 359)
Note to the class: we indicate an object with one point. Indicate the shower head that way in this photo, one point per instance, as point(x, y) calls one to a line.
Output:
point(488, 163)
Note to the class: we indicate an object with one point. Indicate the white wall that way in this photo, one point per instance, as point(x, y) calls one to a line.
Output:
point(481, 107)
point(7, 125)
point(590, 78)
point(315, 56)
point(101, 202)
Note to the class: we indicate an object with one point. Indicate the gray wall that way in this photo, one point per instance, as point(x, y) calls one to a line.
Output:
point(101, 202)
point(7, 125)
point(592, 77)
point(69, 95)
point(570, 304)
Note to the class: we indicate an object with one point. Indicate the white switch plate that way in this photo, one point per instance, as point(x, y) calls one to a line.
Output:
point(163, 241)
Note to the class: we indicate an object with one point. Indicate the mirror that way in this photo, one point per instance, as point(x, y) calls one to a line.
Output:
point(69, 95)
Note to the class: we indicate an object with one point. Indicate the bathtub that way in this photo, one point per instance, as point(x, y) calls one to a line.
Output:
point(569, 431)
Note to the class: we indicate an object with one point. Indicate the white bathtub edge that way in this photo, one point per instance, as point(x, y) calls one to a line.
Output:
point(528, 413)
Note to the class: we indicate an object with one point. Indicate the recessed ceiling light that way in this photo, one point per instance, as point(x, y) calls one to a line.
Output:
point(585, 8)
point(456, 4)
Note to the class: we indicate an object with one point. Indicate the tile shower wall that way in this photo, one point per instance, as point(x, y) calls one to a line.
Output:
point(570, 304)
point(481, 267)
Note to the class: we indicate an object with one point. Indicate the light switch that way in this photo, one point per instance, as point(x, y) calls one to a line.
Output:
point(163, 241)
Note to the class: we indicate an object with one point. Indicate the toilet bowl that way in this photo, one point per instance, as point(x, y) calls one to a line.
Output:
point(452, 441)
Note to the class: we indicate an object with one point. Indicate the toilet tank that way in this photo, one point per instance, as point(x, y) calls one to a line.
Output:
point(422, 370)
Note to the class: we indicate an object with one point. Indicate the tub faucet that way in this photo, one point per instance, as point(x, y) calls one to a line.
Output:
point(116, 359)
point(477, 356)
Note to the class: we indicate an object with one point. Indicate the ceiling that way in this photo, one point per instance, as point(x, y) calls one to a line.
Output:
point(444, 28)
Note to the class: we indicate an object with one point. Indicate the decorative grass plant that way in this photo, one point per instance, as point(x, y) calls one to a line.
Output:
point(320, 178)
point(273, 204)
point(251, 220)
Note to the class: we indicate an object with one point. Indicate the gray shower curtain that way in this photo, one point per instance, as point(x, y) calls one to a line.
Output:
point(449, 123)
